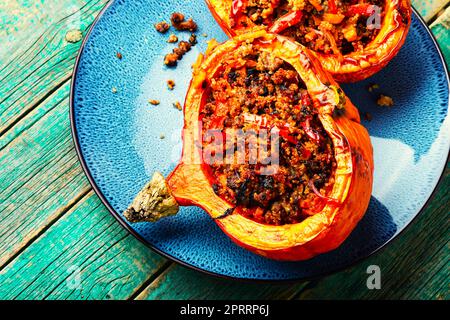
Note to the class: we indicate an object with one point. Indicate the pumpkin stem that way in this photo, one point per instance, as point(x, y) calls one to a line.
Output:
point(153, 202)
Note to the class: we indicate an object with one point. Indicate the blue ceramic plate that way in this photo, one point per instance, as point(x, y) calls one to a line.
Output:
point(118, 137)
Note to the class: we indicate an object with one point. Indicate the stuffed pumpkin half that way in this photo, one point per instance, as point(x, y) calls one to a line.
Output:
point(273, 151)
point(353, 39)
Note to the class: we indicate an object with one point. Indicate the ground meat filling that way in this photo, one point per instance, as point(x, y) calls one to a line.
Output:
point(253, 90)
point(327, 26)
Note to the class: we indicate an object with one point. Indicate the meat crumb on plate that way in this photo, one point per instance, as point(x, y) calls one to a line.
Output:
point(178, 106)
point(172, 38)
point(170, 84)
point(193, 39)
point(162, 27)
point(179, 22)
point(385, 101)
point(171, 59)
point(373, 87)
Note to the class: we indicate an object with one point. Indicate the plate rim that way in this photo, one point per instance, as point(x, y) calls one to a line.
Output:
point(166, 255)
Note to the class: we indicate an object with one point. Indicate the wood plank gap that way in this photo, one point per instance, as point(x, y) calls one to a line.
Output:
point(34, 174)
point(64, 210)
point(61, 173)
point(150, 280)
point(62, 100)
point(310, 285)
point(41, 100)
point(437, 15)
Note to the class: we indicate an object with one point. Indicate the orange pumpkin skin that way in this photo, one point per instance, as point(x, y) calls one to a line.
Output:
point(357, 65)
point(322, 232)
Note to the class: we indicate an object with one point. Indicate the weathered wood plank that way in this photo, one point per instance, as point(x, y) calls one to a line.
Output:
point(180, 283)
point(46, 63)
point(22, 21)
point(441, 30)
point(84, 255)
point(60, 96)
point(429, 8)
point(41, 174)
point(45, 178)
point(434, 281)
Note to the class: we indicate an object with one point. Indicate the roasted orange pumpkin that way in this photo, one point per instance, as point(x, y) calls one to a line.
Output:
point(318, 186)
point(353, 39)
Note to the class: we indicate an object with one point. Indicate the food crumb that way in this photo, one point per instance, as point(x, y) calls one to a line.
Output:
point(170, 84)
point(373, 87)
point(114, 90)
point(179, 22)
point(162, 136)
point(183, 47)
point(178, 106)
point(172, 38)
point(154, 102)
point(74, 36)
point(368, 116)
point(385, 101)
point(193, 39)
point(162, 27)
point(119, 56)
point(171, 59)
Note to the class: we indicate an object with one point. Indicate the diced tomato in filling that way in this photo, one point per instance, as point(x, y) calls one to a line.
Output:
point(326, 26)
point(253, 91)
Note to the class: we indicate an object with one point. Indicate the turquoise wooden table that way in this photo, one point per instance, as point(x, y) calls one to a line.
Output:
point(57, 240)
